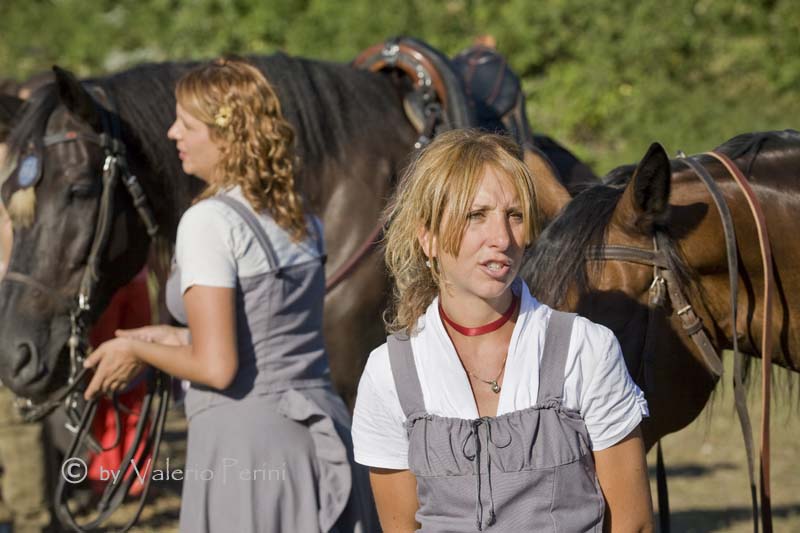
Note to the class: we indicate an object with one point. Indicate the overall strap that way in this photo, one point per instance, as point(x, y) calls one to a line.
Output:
point(316, 226)
point(255, 226)
point(404, 371)
point(554, 358)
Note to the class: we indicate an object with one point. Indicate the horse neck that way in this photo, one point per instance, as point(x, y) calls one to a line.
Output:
point(774, 183)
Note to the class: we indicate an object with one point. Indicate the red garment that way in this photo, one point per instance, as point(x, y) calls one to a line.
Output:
point(129, 308)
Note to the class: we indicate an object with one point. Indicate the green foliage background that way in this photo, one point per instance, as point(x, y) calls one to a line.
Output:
point(605, 77)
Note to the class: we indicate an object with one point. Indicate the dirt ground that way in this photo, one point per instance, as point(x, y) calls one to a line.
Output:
point(706, 466)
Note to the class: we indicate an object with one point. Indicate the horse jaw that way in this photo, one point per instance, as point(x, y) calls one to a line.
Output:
point(551, 196)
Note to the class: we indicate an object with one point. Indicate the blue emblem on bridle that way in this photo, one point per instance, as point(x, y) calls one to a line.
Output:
point(28, 171)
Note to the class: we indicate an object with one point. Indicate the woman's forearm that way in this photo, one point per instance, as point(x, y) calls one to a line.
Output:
point(184, 362)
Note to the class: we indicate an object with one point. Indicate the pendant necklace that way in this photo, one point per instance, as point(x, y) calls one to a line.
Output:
point(492, 382)
point(482, 330)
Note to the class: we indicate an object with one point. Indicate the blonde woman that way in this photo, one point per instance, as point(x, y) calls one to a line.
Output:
point(487, 410)
point(268, 443)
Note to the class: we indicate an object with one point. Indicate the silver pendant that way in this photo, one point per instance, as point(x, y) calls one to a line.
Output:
point(495, 387)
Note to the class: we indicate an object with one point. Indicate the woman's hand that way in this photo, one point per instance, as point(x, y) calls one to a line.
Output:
point(115, 365)
point(162, 334)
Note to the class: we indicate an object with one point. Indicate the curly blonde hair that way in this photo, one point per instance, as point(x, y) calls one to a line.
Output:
point(441, 183)
point(242, 111)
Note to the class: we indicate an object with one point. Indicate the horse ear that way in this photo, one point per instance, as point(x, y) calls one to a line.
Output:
point(551, 195)
point(645, 201)
point(9, 105)
point(73, 95)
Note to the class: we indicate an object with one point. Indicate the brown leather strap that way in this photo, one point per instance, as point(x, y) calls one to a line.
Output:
point(766, 338)
point(350, 265)
point(690, 321)
point(693, 326)
point(740, 397)
point(630, 254)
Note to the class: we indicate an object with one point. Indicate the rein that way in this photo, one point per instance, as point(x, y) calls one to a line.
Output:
point(692, 324)
point(81, 413)
point(344, 271)
point(766, 337)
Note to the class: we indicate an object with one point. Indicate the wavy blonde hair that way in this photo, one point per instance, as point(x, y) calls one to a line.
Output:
point(242, 111)
point(441, 183)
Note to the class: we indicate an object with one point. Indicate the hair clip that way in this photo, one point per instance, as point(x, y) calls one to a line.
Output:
point(223, 116)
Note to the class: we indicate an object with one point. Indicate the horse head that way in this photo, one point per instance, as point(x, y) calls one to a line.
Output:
point(56, 183)
point(631, 212)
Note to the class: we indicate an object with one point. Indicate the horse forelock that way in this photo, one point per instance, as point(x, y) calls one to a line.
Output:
point(559, 260)
point(22, 207)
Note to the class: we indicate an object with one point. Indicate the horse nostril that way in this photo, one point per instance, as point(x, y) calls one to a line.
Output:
point(26, 354)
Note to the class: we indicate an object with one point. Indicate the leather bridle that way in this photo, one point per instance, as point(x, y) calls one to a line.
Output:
point(665, 280)
point(80, 413)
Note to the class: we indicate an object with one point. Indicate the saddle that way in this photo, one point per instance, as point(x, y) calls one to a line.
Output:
point(474, 89)
point(495, 92)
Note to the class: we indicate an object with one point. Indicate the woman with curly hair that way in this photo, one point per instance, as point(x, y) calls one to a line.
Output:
point(268, 438)
point(486, 409)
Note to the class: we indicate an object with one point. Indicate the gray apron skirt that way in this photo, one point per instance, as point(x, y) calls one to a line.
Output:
point(272, 452)
point(528, 470)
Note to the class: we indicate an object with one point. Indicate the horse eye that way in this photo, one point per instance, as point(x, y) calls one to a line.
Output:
point(83, 190)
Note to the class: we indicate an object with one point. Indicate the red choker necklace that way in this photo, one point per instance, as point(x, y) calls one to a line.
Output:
point(482, 330)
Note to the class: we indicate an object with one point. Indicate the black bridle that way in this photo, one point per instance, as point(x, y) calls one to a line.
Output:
point(79, 412)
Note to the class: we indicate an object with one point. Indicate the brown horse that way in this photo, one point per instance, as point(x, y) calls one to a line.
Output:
point(663, 197)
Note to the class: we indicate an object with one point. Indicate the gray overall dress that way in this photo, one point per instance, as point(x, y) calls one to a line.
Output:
point(528, 470)
point(272, 452)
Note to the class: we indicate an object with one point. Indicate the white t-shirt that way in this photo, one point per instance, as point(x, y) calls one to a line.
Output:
point(214, 244)
point(597, 384)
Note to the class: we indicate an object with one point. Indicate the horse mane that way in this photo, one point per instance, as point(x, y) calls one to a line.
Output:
point(766, 144)
point(619, 176)
point(746, 143)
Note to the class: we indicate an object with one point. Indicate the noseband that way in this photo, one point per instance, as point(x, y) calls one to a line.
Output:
point(80, 413)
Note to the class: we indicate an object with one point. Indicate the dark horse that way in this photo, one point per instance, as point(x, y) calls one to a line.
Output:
point(352, 139)
point(663, 196)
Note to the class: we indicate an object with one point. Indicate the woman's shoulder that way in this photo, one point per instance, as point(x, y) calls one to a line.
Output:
point(587, 331)
point(206, 213)
point(379, 369)
point(588, 339)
